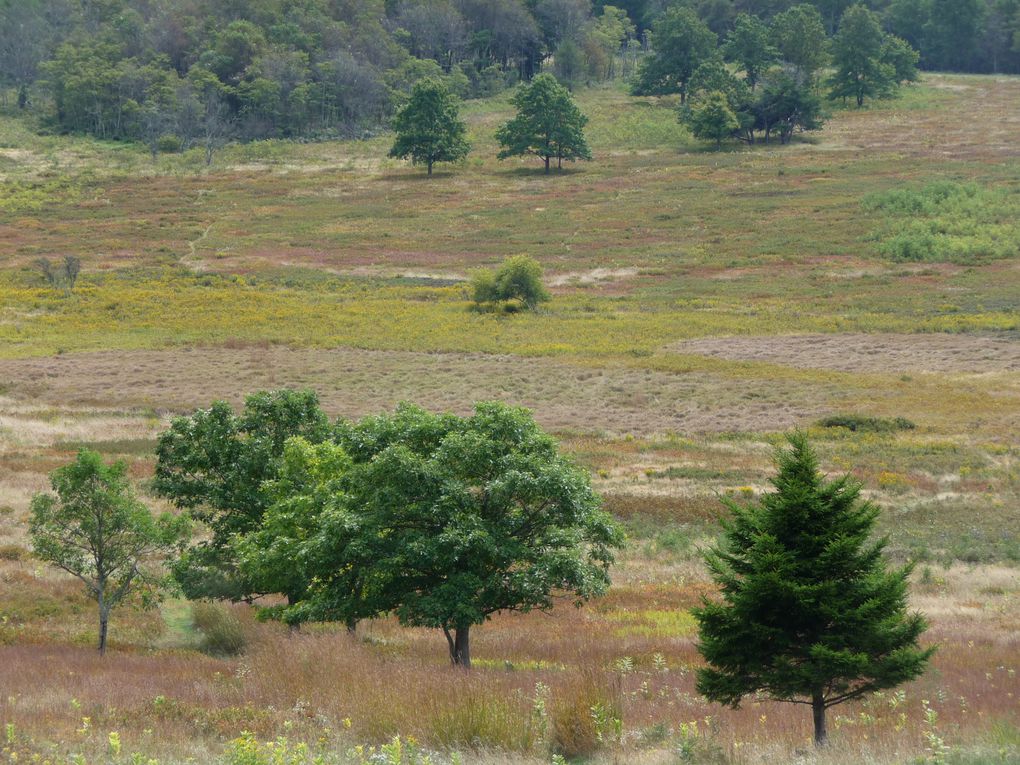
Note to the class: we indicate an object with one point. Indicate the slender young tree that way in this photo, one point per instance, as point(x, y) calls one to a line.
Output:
point(809, 613)
point(429, 128)
point(548, 124)
point(95, 530)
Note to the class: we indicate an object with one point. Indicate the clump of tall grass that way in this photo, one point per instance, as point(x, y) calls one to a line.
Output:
point(222, 633)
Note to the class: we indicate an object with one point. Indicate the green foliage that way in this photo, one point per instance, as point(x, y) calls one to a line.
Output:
point(519, 278)
point(217, 463)
point(221, 630)
point(548, 124)
point(429, 128)
point(711, 118)
point(95, 530)
point(798, 35)
point(681, 43)
point(748, 46)
point(865, 424)
point(445, 521)
point(868, 63)
point(808, 608)
point(947, 222)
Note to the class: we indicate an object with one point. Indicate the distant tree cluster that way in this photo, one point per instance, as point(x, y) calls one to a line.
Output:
point(186, 73)
point(548, 125)
point(780, 90)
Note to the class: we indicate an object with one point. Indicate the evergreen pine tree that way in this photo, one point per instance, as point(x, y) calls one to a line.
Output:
point(809, 612)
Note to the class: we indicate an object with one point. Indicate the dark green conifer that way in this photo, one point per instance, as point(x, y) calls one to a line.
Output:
point(809, 612)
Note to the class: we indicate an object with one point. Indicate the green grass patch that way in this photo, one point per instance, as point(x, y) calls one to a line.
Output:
point(947, 222)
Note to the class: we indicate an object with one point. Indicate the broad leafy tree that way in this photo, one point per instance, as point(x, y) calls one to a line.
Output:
point(857, 57)
point(749, 47)
point(95, 529)
point(217, 463)
point(809, 612)
point(798, 34)
point(786, 104)
point(681, 42)
point(429, 128)
point(547, 125)
point(445, 521)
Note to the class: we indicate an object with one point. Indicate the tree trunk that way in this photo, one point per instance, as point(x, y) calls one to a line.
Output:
point(460, 646)
point(104, 623)
point(547, 165)
point(818, 709)
point(430, 167)
point(352, 626)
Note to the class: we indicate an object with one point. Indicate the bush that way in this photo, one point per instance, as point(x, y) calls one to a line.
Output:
point(222, 632)
point(864, 424)
point(584, 718)
point(519, 278)
point(169, 144)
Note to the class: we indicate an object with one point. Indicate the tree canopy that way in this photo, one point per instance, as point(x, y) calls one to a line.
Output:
point(217, 463)
point(808, 613)
point(547, 125)
point(429, 128)
point(681, 42)
point(442, 520)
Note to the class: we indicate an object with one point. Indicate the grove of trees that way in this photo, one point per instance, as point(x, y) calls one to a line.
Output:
point(185, 73)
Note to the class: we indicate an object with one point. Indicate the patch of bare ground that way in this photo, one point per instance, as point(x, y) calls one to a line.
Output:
point(977, 119)
point(353, 382)
point(868, 352)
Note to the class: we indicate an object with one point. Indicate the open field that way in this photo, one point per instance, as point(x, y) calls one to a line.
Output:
point(704, 302)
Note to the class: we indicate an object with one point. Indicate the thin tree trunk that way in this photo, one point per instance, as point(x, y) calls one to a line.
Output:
point(818, 709)
point(430, 167)
point(547, 165)
point(104, 623)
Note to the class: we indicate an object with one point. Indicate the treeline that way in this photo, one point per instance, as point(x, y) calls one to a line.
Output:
point(198, 69)
point(194, 71)
point(980, 36)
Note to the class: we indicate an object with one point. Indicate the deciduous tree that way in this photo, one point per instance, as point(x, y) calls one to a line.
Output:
point(548, 124)
point(429, 128)
point(94, 529)
point(445, 521)
point(217, 464)
point(681, 42)
point(809, 613)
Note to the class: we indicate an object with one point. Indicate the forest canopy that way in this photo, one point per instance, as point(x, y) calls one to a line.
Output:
point(196, 71)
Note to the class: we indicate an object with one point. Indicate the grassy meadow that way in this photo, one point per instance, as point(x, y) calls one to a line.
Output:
point(704, 302)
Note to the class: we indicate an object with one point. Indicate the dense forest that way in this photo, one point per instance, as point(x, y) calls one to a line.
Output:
point(195, 71)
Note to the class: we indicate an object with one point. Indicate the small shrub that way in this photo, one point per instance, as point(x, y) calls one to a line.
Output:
point(517, 282)
point(169, 144)
point(222, 632)
point(859, 423)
